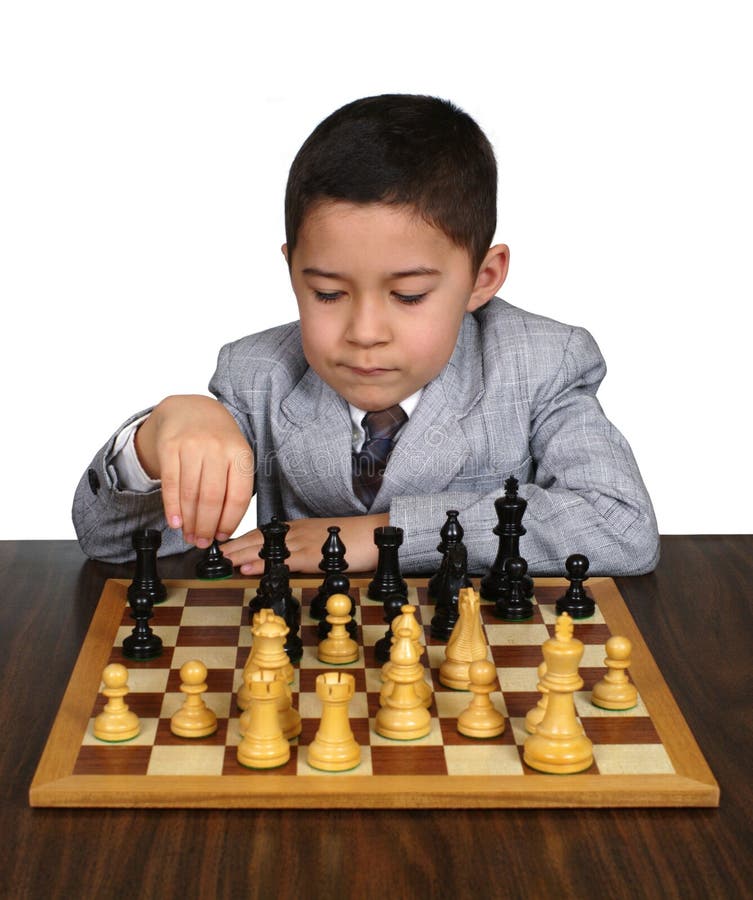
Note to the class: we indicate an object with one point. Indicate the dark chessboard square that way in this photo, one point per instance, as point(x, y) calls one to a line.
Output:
point(309, 635)
point(231, 766)
point(208, 636)
point(163, 661)
point(519, 702)
point(162, 615)
point(165, 737)
point(514, 656)
point(219, 681)
point(591, 633)
point(408, 758)
point(620, 728)
point(219, 596)
point(112, 759)
point(373, 615)
point(452, 737)
point(548, 595)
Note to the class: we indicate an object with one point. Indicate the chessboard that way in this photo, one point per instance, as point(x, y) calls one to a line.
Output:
point(643, 757)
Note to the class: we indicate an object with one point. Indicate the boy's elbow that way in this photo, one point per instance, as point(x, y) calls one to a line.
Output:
point(641, 547)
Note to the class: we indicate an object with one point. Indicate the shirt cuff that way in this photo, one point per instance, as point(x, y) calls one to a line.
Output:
point(125, 462)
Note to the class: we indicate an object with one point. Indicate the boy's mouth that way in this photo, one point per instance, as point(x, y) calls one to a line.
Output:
point(356, 370)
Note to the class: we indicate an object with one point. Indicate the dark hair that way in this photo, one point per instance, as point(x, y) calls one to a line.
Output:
point(401, 149)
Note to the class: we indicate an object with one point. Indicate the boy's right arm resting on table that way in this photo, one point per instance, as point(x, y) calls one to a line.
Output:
point(195, 446)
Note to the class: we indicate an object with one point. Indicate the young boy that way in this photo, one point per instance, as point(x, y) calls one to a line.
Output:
point(390, 213)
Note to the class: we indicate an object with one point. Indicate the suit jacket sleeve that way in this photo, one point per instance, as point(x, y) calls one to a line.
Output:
point(586, 494)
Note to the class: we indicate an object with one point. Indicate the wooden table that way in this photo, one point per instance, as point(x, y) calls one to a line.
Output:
point(47, 594)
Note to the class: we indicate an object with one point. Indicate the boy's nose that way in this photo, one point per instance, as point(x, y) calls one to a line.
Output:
point(368, 323)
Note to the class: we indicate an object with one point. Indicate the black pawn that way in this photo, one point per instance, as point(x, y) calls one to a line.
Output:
point(576, 600)
point(387, 579)
point(455, 578)
point(146, 542)
point(142, 643)
point(333, 563)
point(338, 583)
point(510, 509)
point(274, 550)
point(513, 605)
point(392, 608)
point(452, 533)
point(214, 564)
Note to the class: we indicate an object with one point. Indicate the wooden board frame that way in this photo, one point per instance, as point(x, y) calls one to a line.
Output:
point(54, 783)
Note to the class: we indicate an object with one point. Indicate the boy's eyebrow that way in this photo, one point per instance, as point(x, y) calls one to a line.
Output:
point(405, 273)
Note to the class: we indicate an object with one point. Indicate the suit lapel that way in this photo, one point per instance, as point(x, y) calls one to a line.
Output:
point(433, 448)
point(314, 445)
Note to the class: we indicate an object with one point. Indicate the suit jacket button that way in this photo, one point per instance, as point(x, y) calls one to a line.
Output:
point(93, 480)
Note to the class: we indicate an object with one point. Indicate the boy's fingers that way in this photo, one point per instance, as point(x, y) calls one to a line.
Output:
point(238, 496)
point(212, 493)
point(190, 473)
point(170, 470)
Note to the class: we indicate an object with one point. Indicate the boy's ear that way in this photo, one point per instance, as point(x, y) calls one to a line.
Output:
point(491, 276)
point(284, 249)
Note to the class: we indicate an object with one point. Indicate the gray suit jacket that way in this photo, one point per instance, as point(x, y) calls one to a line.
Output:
point(516, 398)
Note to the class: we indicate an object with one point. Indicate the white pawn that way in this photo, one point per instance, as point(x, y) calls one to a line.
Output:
point(615, 690)
point(194, 719)
point(481, 719)
point(338, 648)
point(116, 722)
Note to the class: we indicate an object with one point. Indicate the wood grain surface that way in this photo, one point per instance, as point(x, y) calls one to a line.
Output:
point(696, 614)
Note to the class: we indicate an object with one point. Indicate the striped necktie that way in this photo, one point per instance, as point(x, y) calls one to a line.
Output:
point(371, 461)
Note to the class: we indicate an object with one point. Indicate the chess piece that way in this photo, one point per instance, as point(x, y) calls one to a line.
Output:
point(481, 719)
point(214, 564)
point(332, 563)
point(512, 603)
point(338, 648)
point(146, 542)
point(576, 601)
point(267, 652)
point(536, 713)
point(387, 580)
point(403, 717)
point(274, 593)
point(615, 690)
point(559, 745)
point(466, 645)
point(334, 748)
point(116, 722)
point(455, 578)
point(510, 509)
point(263, 745)
point(337, 583)
point(288, 717)
point(407, 619)
point(451, 534)
point(194, 719)
point(392, 608)
point(274, 550)
point(142, 642)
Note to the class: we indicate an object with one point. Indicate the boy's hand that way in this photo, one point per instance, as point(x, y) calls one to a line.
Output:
point(305, 540)
point(195, 447)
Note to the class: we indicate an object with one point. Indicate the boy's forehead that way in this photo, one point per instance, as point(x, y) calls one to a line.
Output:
point(405, 241)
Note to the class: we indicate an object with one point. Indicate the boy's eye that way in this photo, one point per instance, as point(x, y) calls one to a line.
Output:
point(327, 296)
point(409, 298)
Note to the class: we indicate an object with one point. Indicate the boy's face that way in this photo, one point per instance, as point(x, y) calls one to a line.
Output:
point(381, 295)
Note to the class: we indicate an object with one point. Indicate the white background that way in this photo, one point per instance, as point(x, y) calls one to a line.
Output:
point(144, 149)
